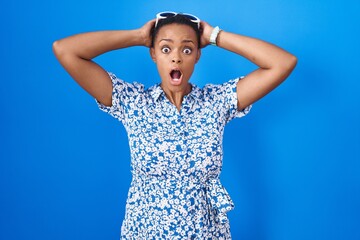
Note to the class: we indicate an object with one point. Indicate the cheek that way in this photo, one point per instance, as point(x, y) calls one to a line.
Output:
point(191, 63)
point(162, 69)
point(189, 69)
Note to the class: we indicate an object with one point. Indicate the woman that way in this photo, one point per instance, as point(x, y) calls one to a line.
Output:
point(174, 128)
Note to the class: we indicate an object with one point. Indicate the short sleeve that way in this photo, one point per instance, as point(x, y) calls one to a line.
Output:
point(225, 99)
point(124, 95)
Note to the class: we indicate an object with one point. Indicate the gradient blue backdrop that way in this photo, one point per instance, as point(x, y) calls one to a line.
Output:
point(291, 166)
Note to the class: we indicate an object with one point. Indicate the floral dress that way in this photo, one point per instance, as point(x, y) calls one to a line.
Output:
point(176, 160)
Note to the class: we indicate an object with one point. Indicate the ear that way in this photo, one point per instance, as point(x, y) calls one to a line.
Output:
point(152, 54)
point(198, 55)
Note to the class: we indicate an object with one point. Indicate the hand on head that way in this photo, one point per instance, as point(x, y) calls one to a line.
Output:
point(146, 32)
point(206, 30)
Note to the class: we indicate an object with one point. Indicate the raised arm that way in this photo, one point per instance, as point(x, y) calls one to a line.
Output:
point(275, 64)
point(75, 53)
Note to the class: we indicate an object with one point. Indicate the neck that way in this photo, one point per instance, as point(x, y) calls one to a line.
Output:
point(176, 94)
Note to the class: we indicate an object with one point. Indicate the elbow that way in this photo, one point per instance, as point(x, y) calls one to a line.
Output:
point(288, 65)
point(61, 50)
point(284, 68)
point(292, 62)
point(57, 48)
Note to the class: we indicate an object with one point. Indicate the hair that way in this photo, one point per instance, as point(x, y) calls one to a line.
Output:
point(178, 19)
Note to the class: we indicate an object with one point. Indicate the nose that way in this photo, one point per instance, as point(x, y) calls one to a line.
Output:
point(176, 58)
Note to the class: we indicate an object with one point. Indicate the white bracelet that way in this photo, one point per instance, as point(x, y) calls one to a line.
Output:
point(214, 35)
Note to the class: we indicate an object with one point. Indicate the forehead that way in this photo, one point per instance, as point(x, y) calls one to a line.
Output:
point(176, 32)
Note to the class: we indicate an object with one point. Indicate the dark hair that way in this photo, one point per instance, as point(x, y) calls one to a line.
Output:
point(178, 19)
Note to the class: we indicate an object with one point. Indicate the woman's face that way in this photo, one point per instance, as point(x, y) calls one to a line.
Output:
point(175, 53)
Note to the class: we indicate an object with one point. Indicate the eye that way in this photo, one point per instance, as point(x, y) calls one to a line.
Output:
point(187, 51)
point(165, 50)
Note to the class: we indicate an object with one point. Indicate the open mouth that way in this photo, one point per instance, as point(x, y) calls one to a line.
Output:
point(175, 75)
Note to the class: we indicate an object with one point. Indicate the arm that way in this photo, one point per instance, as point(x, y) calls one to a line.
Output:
point(275, 64)
point(75, 54)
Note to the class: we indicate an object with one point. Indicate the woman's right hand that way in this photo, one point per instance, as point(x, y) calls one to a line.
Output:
point(145, 32)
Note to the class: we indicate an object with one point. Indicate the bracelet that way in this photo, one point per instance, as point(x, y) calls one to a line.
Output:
point(214, 35)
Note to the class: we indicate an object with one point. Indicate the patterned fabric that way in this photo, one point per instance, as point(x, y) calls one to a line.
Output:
point(176, 160)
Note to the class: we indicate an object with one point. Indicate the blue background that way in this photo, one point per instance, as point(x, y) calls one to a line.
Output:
point(291, 166)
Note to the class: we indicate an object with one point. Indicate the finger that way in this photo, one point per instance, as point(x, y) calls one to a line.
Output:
point(204, 24)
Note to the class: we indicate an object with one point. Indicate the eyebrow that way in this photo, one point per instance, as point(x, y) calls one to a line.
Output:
point(184, 41)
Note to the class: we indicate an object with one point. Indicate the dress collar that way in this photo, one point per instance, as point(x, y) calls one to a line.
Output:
point(156, 91)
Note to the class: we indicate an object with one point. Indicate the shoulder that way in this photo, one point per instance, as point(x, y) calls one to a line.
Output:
point(125, 87)
point(222, 89)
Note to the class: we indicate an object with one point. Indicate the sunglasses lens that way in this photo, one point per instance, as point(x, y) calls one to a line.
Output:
point(191, 17)
point(167, 14)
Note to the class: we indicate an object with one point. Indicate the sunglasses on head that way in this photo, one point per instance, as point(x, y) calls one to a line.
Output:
point(163, 15)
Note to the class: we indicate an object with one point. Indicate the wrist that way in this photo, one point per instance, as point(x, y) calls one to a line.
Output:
point(140, 37)
point(214, 36)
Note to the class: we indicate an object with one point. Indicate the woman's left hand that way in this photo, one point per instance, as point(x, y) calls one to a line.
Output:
point(206, 30)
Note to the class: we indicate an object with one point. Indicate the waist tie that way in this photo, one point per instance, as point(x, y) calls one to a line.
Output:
point(218, 199)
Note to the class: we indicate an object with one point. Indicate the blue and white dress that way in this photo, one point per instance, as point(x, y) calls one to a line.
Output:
point(176, 160)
